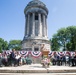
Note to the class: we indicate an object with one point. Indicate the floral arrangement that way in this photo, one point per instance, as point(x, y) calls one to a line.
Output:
point(45, 62)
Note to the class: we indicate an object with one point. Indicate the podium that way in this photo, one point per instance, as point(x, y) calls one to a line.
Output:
point(45, 53)
point(45, 60)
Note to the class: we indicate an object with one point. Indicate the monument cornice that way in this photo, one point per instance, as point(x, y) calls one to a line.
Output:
point(40, 7)
point(37, 4)
point(36, 9)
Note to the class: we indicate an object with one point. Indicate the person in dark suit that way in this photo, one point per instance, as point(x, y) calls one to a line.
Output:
point(75, 60)
point(12, 57)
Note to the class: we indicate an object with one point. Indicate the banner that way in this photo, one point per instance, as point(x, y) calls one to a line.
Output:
point(60, 53)
point(36, 54)
point(50, 53)
point(24, 53)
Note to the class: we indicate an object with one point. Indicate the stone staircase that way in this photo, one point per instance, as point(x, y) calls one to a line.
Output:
point(37, 69)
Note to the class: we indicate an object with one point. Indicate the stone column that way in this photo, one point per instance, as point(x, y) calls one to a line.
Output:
point(44, 27)
point(33, 24)
point(28, 18)
point(39, 27)
point(26, 25)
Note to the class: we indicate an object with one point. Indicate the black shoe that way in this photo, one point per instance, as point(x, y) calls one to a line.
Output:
point(72, 65)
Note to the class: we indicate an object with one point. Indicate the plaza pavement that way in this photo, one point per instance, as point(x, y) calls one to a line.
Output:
point(37, 69)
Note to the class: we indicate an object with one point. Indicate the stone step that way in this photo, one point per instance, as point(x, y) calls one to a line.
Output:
point(37, 73)
point(37, 68)
point(62, 71)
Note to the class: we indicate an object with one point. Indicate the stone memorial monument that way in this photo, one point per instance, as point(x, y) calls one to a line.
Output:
point(35, 35)
point(35, 26)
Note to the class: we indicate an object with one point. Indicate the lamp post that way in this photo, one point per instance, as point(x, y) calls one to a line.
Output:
point(64, 44)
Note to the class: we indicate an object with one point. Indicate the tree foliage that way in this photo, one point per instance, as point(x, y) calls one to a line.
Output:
point(72, 37)
point(15, 44)
point(54, 43)
point(3, 45)
point(65, 39)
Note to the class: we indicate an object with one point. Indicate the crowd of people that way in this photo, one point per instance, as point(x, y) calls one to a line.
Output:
point(14, 58)
point(64, 59)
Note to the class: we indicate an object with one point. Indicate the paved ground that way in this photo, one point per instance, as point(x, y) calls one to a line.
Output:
point(37, 69)
point(37, 74)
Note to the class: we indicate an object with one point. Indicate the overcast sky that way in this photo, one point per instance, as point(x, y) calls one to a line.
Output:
point(62, 13)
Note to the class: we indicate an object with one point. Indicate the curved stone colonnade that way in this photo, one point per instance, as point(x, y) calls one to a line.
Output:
point(36, 19)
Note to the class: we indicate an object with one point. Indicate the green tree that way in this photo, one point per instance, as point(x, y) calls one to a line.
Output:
point(65, 38)
point(71, 32)
point(68, 46)
point(3, 45)
point(54, 43)
point(15, 44)
point(62, 38)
